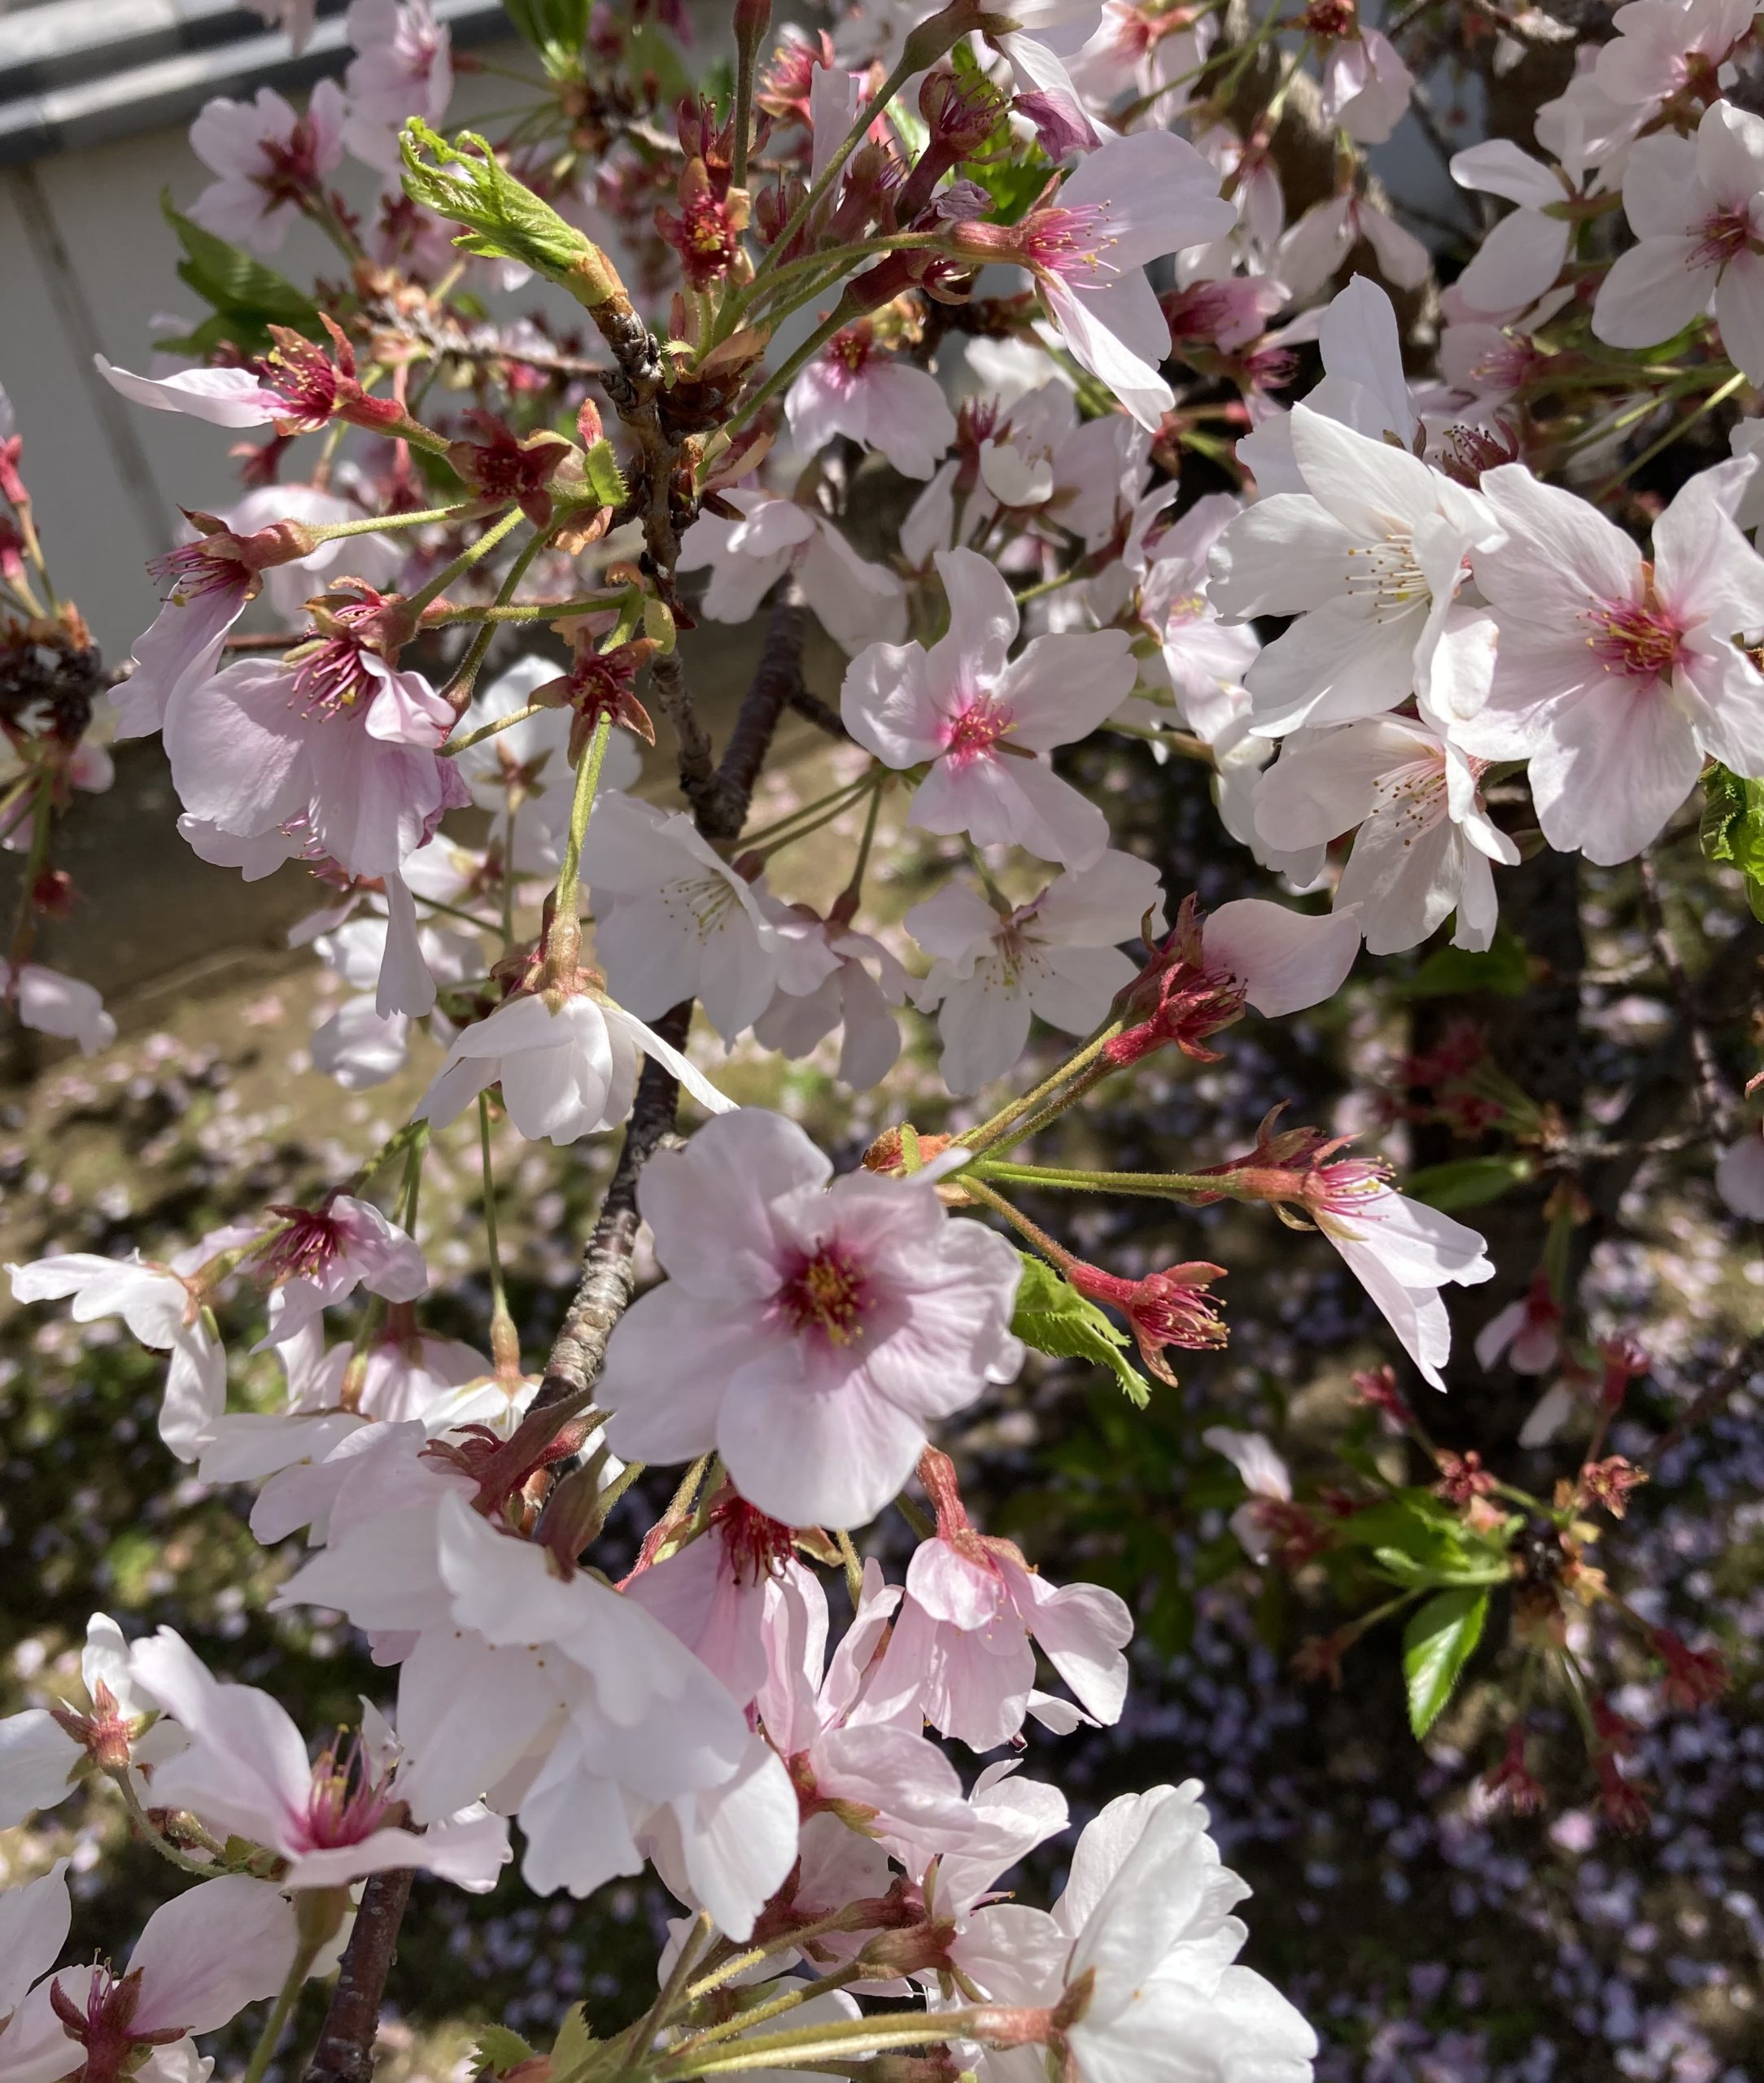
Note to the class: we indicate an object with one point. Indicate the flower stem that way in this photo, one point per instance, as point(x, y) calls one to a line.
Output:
point(993, 1131)
point(276, 2024)
point(415, 603)
point(809, 2043)
point(564, 941)
point(1158, 1185)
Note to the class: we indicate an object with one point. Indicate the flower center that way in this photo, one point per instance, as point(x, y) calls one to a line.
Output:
point(1069, 244)
point(976, 731)
point(850, 350)
point(197, 568)
point(828, 1292)
point(311, 1240)
point(345, 1803)
point(706, 903)
point(1346, 1188)
point(331, 680)
point(1725, 234)
point(1188, 607)
point(1413, 797)
point(1641, 641)
point(1390, 573)
point(756, 1546)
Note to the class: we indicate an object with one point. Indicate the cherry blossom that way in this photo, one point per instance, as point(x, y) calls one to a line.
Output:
point(1056, 957)
point(200, 1959)
point(852, 389)
point(856, 603)
point(1365, 86)
point(567, 1063)
point(972, 1616)
point(823, 983)
point(341, 741)
point(1370, 557)
point(1424, 843)
point(162, 1312)
point(42, 1748)
point(1401, 1252)
point(672, 920)
point(267, 159)
point(1524, 254)
point(1661, 45)
point(1266, 1477)
point(1146, 1910)
point(318, 1256)
point(1128, 203)
point(222, 397)
point(1526, 1334)
point(34, 1918)
point(245, 1772)
point(1312, 250)
point(1697, 211)
point(404, 67)
point(64, 1006)
point(1614, 677)
point(846, 1317)
point(985, 722)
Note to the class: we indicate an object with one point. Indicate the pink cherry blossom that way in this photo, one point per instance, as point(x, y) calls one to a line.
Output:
point(845, 1319)
point(1526, 1333)
point(404, 67)
point(340, 742)
point(246, 1772)
point(852, 389)
point(40, 1748)
point(974, 1612)
point(1697, 210)
point(1661, 43)
point(1316, 246)
point(1133, 200)
point(1613, 677)
point(320, 1255)
point(296, 16)
point(823, 983)
point(222, 397)
point(985, 723)
point(1266, 1477)
point(267, 159)
point(200, 1959)
point(1056, 957)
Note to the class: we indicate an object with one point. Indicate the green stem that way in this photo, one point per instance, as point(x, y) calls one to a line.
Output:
point(565, 940)
point(844, 796)
point(204, 1870)
point(499, 1304)
point(373, 524)
point(518, 611)
point(903, 71)
point(276, 2024)
point(415, 603)
point(1673, 433)
point(989, 1132)
point(782, 377)
point(458, 687)
point(809, 2043)
point(455, 746)
point(1156, 1185)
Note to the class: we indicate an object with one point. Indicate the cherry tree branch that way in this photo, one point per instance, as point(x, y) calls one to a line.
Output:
point(345, 2050)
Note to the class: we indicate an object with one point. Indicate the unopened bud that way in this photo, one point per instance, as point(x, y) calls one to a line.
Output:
point(52, 894)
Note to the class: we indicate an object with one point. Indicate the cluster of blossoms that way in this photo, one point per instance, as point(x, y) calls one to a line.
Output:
point(1478, 663)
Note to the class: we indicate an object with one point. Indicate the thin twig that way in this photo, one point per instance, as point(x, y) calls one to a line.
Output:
point(1734, 1376)
point(777, 675)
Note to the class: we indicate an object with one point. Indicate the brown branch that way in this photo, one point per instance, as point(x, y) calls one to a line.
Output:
point(692, 747)
point(814, 710)
point(345, 2050)
point(777, 678)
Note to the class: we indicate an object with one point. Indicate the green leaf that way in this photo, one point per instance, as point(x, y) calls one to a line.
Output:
point(1733, 828)
point(504, 219)
point(1467, 1181)
point(569, 2049)
point(1011, 175)
point(248, 296)
point(602, 475)
point(1403, 1568)
point(1053, 1316)
point(1504, 971)
point(497, 2050)
point(1436, 1645)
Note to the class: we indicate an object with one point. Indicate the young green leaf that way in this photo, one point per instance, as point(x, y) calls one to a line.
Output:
point(497, 2050)
point(569, 2049)
point(1733, 828)
point(1466, 1181)
point(1054, 1317)
point(1436, 1645)
point(504, 219)
point(1503, 972)
point(247, 296)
